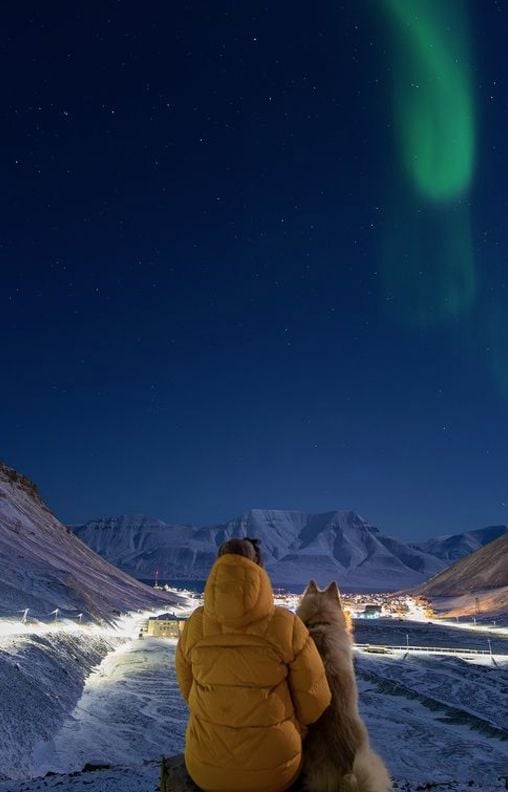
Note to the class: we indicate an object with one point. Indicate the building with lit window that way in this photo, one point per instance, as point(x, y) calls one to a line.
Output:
point(167, 625)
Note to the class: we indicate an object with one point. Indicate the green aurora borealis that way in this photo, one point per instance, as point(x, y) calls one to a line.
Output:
point(433, 102)
point(429, 272)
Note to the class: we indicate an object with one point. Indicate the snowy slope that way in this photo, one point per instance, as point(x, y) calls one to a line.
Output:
point(440, 723)
point(296, 546)
point(44, 566)
point(41, 679)
point(486, 568)
point(453, 548)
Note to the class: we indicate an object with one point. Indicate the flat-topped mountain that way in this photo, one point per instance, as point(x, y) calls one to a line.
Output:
point(296, 546)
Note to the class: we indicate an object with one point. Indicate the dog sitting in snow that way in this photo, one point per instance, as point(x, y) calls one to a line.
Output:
point(338, 757)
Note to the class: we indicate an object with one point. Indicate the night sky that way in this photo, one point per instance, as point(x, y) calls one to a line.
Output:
point(255, 255)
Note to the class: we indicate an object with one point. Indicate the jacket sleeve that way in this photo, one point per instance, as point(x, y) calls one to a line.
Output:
point(183, 664)
point(307, 679)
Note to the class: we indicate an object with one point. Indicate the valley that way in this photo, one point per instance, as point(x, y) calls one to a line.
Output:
point(434, 719)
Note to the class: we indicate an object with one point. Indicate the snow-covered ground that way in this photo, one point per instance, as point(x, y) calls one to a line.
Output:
point(41, 680)
point(130, 711)
point(43, 669)
point(439, 720)
point(398, 633)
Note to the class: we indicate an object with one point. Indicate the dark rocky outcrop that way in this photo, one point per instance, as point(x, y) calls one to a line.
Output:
point(176, 778)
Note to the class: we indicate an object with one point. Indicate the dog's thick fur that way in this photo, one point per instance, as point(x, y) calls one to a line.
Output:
point(337, 754)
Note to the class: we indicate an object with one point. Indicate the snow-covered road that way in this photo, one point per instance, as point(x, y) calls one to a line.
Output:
point(130, 711)
point(43, 669)
point(41, 679)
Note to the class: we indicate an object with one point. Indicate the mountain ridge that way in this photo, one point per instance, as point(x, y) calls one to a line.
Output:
point(475, 584)
point(43, 565)
point(453, 547)
point(296, 545)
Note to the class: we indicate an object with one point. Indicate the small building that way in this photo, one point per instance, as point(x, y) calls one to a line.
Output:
point(167, 625)
point(372, 611)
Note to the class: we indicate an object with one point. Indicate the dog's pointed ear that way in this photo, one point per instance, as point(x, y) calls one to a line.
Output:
point(333, 590)
point(311, 588)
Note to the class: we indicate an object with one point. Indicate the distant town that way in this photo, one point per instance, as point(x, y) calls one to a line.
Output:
point(359, 605)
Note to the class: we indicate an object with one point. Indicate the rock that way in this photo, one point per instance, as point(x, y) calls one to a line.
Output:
point(93, 765)
point(176, 778)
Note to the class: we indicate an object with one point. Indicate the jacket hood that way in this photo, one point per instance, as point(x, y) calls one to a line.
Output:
point(237, 592)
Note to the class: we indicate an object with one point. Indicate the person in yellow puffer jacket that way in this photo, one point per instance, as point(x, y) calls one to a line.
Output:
point(252, 677)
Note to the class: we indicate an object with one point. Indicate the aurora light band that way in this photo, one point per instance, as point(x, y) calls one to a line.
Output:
point(433, 101)
point(429, 272)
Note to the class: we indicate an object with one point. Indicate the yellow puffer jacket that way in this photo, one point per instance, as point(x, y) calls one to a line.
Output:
point(253, 679)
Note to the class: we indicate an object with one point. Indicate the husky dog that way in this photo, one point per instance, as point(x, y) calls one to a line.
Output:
point(338, 757)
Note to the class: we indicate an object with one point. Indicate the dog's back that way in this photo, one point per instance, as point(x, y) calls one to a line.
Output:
point(338, 757)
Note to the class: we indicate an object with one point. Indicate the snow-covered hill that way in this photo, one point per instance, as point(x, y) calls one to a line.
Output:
point(42, 675)
point(43, 565)
point(486, 568)
point(452, 548)
point(296, 546)
point(478, 582)
point(440, 722)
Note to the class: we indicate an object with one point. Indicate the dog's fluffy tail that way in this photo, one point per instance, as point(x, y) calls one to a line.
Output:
point(349, 783)
point(369, 773)
point(327, 780)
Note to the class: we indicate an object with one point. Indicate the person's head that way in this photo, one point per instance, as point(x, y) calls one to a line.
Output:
point(248, 548)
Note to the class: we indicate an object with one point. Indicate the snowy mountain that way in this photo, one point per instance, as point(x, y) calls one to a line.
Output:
point(43, 565)
point(296, 546)
point(485, 569)
point(477, 584)
point(452, 548)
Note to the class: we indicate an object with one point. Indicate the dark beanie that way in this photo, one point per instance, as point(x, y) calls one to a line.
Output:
point(248, 548)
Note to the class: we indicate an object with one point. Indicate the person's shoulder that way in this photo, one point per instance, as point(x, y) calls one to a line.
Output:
point(194, 625)
point(288, 616)
point(197, 613)
point(196, 617)
point(284, 614)
point(285, 624)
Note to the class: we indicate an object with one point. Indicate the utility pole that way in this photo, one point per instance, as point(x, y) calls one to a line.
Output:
point(407, 647)
point(156, 578)
point(25, 615)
